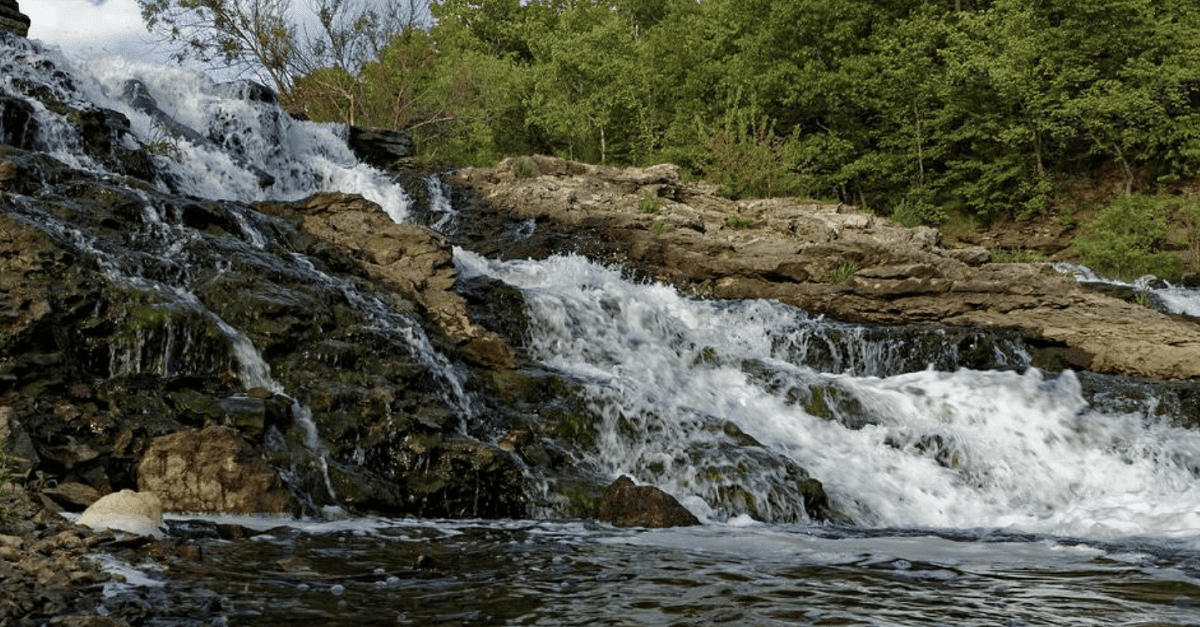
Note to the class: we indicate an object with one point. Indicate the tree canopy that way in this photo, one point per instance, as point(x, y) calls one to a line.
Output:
point(907, 107)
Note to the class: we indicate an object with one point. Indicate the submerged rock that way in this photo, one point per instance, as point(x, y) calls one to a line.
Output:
point(629, 505)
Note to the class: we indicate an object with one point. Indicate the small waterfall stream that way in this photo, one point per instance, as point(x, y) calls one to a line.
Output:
point(967, 487)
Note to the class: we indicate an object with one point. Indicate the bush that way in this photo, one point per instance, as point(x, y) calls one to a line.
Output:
point(746, 159)
point(1124, 241)
point(649, 204)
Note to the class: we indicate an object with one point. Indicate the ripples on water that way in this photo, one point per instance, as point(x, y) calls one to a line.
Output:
point(535, 573)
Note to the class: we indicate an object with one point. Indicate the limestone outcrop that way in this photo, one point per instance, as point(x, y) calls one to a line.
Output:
point(826, 258)
point(11, 18)
point(212, 470)
point(135, 512)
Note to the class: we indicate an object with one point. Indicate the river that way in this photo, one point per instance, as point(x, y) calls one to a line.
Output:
point(961, 497)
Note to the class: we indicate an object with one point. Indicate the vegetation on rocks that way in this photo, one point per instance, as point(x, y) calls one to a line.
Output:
point(983, 109)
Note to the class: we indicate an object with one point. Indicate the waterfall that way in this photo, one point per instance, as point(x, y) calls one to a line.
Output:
point(961, 448)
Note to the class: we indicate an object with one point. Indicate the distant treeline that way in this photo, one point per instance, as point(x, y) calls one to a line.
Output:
point(910, 108)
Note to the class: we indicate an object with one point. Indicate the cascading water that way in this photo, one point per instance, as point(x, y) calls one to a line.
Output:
point(1159, 294)
point(233, 141)
point(961, 449)
point(966, 487)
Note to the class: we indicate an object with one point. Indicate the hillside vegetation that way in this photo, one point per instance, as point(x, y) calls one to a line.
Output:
point(918, 109)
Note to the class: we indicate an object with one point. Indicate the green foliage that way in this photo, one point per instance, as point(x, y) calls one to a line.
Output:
point(1125, 239)
point(660, 227)
point(523, 169)
point(912, 109)
point(746, 159)
point(918, 208)
point(649, 205)
point(1017, 255)
point(264, 38)
point(844, 271)
point(738, 222)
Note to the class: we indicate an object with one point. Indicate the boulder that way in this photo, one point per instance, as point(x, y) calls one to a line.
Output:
point(629, 505)
point(136, 512)
point(213, 471)
point(12, 20)
point(379, 147)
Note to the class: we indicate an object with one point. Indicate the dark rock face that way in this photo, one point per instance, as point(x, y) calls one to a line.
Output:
point(380, 147)
point(12, 20)
point(98, 371)
point(629, 505)
point(17, 124)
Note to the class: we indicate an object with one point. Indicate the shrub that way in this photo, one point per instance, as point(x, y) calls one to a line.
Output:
point(523, 169)
point(1124, 241)
point(738, 222)
point(661, 227)
point(649, 205)
point(746, 159)
point(918, 208)
point(844, 271)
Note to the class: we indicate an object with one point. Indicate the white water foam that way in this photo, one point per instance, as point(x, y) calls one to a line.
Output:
point(1174, 299)
point(965, 449)
point(302, 157)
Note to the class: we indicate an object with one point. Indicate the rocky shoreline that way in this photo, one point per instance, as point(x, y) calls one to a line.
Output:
point(825, 258)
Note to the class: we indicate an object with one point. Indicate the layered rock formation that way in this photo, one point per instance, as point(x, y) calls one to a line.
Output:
point(825, 258)
point(11, 18)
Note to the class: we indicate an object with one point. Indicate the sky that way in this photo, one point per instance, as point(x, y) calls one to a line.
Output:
point(82, 28)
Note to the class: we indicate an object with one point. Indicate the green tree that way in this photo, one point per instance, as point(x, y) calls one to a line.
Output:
point(267, 39)
point(1126, 239)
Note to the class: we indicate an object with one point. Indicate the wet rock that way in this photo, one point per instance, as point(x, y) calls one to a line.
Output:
point(432, 475)
point(212, 470)
point(139, 97)
point(19, 451)
point(380, 147)
point(18, 127)
point(248, 90)
point(629, 505)
point(416, 260)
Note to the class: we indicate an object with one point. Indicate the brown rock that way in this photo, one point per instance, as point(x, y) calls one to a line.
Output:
point(628, 505)
point(414, 259)
point(214, 471)
point(73, 496)
point(11, 18)
point(793, 252)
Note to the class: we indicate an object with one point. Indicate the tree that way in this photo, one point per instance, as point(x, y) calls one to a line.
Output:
point(266, 39)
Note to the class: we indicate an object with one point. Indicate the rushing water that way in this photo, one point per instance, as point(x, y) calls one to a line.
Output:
point(963, 497)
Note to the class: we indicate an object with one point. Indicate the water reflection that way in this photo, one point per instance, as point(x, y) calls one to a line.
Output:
point(418, 573)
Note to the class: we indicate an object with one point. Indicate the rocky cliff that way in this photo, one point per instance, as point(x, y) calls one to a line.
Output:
point(825, 258)
point(11, 18)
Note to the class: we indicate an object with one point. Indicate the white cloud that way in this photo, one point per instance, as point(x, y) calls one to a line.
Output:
point(82, 27)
